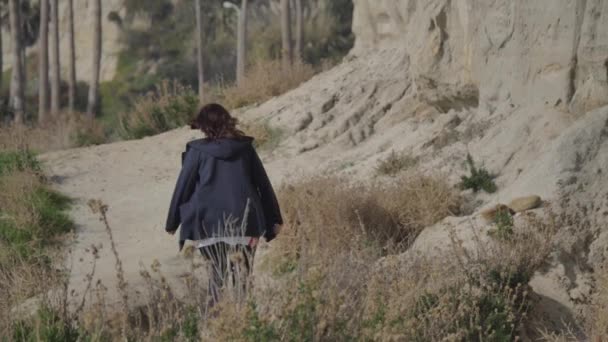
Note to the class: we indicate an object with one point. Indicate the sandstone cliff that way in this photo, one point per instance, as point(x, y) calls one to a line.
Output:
point(514, 53)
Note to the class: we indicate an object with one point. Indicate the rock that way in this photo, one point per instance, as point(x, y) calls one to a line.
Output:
point(525, 203)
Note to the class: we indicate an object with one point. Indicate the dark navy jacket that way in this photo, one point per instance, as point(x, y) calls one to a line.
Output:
point(218, 178)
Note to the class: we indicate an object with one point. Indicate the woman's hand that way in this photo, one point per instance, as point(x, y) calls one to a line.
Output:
point(171, 232)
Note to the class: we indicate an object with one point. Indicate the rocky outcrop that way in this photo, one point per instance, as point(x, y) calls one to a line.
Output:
point(516, 52)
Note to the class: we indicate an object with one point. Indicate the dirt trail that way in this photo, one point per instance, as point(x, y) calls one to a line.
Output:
point(136, 180)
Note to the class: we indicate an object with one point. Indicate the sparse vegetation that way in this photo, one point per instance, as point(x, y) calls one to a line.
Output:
point(342, 251)
point(480, 178)
point(395, 162)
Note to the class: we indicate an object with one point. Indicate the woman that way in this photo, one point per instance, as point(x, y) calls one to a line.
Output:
point(223, 199)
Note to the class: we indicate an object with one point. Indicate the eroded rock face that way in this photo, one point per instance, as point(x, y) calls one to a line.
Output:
point(516, 51)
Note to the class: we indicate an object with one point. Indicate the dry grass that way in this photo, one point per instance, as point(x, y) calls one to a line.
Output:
point(66, 130)
point(330, 281)
point(265, 80)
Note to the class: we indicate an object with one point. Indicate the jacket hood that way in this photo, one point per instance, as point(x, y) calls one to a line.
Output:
point(224, 148)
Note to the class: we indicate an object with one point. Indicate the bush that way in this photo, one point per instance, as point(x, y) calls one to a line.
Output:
point(266, 137)
point(504, 224)
point(169, 107)
point(480, 178)
point(394, 163)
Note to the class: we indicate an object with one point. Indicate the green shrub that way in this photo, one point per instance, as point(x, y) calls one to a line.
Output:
point(480, 178)
point(170, 107)
point(258, 329)
point(504, 224)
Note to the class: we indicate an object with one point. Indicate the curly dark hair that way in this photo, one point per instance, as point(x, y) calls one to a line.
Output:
point(216, 122)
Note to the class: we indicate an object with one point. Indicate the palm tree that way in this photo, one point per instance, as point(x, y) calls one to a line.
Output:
point(299, 29)
point(200, 41)
point(55, 63)
point(43, 62)
point(241, 51)
point(286, 32)
point(72, 58)
point(17, 91)
point(94, 86)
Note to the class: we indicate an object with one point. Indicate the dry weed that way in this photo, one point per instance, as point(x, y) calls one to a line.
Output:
point(420, 201)
point(598, 315)
point(265, 80)
point(66, 130)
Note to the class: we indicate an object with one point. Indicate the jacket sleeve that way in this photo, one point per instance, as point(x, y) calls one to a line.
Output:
point(184, 188)
point(270, 204)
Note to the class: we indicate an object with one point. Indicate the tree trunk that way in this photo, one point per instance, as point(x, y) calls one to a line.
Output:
point(72, 58)
point(286, 33)
point(200, 45)
point(17, 93)
point(43, 62)
point(23, 47)
point(94, 86)
point(241, 51)
point(299, 29)
point(55, 63)
point(1, 53)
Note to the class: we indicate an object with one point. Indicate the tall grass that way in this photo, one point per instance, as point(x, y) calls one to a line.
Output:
point(32, 220)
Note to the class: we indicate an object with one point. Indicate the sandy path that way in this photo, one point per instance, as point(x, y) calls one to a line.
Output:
point(136, 179)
